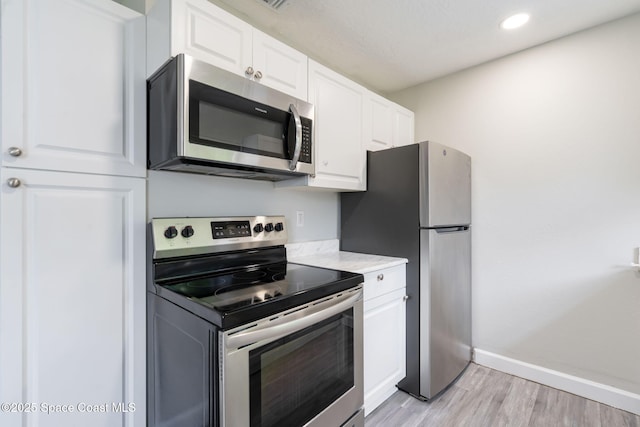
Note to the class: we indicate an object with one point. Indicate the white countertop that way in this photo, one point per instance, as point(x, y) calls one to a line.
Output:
point(348, 261)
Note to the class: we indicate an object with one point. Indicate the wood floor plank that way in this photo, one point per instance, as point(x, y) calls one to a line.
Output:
point(480, 408)
point(543, 413)
point(518, 404)
point(591, 414)
point(472, 377)
point(570, 410)
point(392, 412)
point(484, 397)
point(441, 409)
point(613, 417)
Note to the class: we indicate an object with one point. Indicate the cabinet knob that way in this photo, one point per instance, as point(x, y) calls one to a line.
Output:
point(13, 182)
point(249, 71)
point(258, 75)
point(405, 298)
point(15, 151)
point(380, 277)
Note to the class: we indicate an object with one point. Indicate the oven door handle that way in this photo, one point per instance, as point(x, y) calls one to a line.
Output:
point(287, 327)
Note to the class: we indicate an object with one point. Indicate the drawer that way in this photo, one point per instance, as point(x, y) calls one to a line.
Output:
point(383, 281)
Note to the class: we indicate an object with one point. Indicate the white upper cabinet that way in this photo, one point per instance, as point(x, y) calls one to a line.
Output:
point(404, 126)
point(337, 132)
point(73, 87)
point(279, 66)
point(208, 33)
point(386, 124)
point(200, 29)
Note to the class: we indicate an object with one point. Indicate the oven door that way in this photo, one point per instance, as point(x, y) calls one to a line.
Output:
point(302, 367)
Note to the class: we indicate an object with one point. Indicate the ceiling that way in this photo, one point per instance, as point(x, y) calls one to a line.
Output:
point(391, 45)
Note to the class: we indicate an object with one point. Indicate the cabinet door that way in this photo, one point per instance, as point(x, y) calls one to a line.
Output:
point(387, 124)
point(281, 67)
point(384, 347)
point(403, 126)
point(338, 130)
point(72, 298)
point(378, 122)
point(211, 34)
point(73, 86)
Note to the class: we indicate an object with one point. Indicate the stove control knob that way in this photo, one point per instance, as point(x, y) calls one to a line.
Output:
point(258, 228)
point(170, 232)
point(187, 231)
point(279, 226)
point(268, 227)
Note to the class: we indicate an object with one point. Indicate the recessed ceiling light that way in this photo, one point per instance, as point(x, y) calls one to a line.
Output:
point(514, 21)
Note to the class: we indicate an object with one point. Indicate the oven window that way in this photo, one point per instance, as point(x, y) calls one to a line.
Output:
point(296, 377)
point(221, 119)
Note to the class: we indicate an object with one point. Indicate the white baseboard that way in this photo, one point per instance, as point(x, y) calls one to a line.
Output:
point(579, 386)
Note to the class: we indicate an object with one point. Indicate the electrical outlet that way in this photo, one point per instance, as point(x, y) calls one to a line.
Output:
point(300, 218)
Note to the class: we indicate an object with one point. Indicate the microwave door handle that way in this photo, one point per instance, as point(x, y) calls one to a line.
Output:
point(298, 146)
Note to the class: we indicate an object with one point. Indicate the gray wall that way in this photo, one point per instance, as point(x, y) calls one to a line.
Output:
point(554, 133)
point(137, 5)
point(181, 194)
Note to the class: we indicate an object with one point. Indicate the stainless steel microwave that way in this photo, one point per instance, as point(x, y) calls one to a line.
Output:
point(203, 119)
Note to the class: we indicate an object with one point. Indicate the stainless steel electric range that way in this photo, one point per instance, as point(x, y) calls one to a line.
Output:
point(237, 336)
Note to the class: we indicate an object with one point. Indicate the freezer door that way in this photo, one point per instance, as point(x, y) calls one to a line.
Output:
point(445, 186)
point(445, 307)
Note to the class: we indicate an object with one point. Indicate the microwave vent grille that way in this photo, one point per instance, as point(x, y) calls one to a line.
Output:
point(275, 4)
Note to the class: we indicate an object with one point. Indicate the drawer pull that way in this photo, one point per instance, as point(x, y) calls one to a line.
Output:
point(380, 277)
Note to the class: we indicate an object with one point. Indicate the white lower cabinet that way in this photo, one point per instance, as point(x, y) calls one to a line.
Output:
point(72, 299)
point(384, 334)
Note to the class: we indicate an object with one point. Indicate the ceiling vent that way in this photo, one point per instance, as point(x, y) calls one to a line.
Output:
point(275, 4)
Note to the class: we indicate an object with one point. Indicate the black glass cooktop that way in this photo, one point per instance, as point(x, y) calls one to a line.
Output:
point(236, 297)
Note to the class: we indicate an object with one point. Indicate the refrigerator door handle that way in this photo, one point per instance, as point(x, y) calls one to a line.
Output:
point(451, 229)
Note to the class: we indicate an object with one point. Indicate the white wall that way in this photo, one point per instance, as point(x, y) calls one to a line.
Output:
point(181, 194)
point(554, 133)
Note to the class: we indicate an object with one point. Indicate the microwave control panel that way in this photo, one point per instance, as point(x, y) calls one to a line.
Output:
point(305, 149)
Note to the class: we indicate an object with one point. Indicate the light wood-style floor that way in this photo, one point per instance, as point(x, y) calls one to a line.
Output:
point(485, 397)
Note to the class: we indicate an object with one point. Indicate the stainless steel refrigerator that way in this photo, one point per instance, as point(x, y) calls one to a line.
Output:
point(418, 206)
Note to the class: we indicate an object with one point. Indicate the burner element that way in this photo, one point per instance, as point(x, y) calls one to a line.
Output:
point(248, 277)
point(200, 288)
